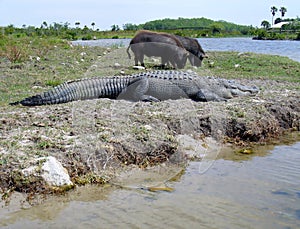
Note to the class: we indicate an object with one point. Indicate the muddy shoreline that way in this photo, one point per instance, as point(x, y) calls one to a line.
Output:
point(96, 140)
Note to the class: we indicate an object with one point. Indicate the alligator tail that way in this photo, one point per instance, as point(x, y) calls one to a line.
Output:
point(78, 90)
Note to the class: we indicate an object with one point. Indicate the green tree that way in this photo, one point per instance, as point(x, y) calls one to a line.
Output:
point(216, 27)
point(282, 10)
point(130, 26)
point(273, 11)
point(265, 24)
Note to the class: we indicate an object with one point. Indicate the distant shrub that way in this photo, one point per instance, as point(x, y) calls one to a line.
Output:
point(261, 34)
point(87, 37)
point(14, 52)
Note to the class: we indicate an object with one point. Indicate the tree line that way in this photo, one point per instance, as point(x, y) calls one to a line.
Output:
point(204, 24)
point(181, 26)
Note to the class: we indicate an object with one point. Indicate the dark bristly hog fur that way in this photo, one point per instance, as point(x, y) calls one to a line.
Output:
point(164, 45)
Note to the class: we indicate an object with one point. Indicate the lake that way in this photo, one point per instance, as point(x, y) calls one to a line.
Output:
point(287, 48)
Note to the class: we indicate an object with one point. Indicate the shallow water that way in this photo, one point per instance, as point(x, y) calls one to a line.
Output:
point(287, 48)
point(261, 190)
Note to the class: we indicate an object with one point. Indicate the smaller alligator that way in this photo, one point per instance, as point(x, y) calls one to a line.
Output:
point(144, 86)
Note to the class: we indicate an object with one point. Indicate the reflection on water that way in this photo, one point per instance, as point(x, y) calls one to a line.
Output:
point(262, 191)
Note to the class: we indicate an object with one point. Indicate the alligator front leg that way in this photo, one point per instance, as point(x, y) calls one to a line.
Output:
point(207, 95)
point(237, 89)
point(137, 91)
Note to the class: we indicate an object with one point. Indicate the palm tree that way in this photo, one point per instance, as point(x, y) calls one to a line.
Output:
point(93, 24)
point(273, 11)
point(45, 25)
point(283, 10)
point(77, 24)
point(265, 24)
point(115, 28)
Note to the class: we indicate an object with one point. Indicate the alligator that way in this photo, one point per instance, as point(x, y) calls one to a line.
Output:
point(144, 86)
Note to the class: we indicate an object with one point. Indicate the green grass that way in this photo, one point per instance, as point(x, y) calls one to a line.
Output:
point(252, 66)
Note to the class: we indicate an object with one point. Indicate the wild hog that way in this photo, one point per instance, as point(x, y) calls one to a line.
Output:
point(163, 45)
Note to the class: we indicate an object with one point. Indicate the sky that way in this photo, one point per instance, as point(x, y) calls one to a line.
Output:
point(119, 12)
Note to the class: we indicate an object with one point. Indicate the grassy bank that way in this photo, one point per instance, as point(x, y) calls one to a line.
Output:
point(32, 65)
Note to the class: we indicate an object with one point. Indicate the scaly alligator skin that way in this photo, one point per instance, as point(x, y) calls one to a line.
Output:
point(145, 86)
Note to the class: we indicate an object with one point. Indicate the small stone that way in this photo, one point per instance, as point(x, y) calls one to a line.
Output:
point(117, 65)
point(211, 64)
point(138, 67)
point(148, 127)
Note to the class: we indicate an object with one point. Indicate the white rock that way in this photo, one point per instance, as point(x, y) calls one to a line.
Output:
point(148, 127)
point(138, 67)
point(54, 173)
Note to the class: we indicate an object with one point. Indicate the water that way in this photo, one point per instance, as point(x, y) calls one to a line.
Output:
point(261, 191)
point(287, 48)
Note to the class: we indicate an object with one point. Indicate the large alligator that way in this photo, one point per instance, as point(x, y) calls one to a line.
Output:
point(145, 86)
